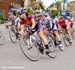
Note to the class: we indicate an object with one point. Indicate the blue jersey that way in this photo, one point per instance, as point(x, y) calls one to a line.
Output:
point(45, 22)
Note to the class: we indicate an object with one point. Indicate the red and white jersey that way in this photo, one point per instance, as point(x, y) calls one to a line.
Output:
point(28, 20)
point(70, 23)
point(61, 23)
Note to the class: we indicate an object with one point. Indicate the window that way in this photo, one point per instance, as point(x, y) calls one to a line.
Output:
point(1, 11)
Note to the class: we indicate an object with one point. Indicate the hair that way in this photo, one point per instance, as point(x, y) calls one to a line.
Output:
point(61, 17)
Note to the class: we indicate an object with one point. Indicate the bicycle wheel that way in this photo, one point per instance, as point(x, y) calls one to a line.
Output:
point(29, 49)
point(51, 44)
point(2, 38)
point(12, 35)
point(1, 35)
point(72, 33)
point(66, 39)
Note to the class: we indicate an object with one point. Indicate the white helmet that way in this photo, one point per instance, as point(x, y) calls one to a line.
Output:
point(21, 10)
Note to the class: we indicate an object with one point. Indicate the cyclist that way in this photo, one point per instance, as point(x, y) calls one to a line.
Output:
point(28, 19)
point(11, 18)
point(46, 22)
point(55, 30)
point(63, 24)
point(70, 22)
point(17, 22)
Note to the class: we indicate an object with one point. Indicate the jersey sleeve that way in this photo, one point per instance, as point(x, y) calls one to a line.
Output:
point(30, 16)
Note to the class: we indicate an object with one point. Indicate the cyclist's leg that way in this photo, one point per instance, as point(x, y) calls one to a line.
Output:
point(44, 40)
point(42, 37)
point(45, 30)
point(22, 26)
point(55, 30)
point(18, 27)
point(69, 33)
point(57, 35)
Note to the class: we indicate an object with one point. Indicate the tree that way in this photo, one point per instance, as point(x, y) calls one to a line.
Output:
point(58, 4)
point(55, 7)
point(42, 6)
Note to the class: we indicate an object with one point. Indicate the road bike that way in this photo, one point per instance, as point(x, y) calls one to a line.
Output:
point(13, 33)
point(31, 44)
point(66, 38)
point(2, 38)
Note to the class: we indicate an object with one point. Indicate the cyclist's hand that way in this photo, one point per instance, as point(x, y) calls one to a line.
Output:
point(30, 30)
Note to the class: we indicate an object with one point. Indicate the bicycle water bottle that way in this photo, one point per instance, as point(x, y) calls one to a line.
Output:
point(36, 40)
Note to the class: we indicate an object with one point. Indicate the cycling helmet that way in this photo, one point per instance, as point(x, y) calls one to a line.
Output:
point(43, 14)
point(21, 10)
point(30, 10)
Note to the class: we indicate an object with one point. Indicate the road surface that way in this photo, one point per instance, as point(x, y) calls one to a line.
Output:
point(11, 57)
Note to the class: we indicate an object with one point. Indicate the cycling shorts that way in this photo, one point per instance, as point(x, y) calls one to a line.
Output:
point(38, 27)
point(64, 27)
point(54, 27)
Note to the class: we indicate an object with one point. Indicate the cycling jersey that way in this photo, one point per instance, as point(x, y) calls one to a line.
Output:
point(62, 23)
point(12, 19)
point(17, 21)
point(27, 20)
point(54, 24)
point(45, 22)
point(38, 26)
point(70, 23)
point(51, 23)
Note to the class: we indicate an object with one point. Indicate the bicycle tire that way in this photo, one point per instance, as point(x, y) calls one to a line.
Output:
point(51, 44)
point(1, 34)
point(12, 37)
point(24, 50)
point(66, 40)
point(72, 33)
point(2, 38)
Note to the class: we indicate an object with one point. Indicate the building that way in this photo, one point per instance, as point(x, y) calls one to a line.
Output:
point(5, 5)
point(71, 8)
point(30, 2)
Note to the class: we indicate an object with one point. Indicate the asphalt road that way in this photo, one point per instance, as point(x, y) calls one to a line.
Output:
point(11, 57)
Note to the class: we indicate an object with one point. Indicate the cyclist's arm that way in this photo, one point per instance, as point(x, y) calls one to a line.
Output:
point(31, 17)
point(33, 22)
point(50, 23)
